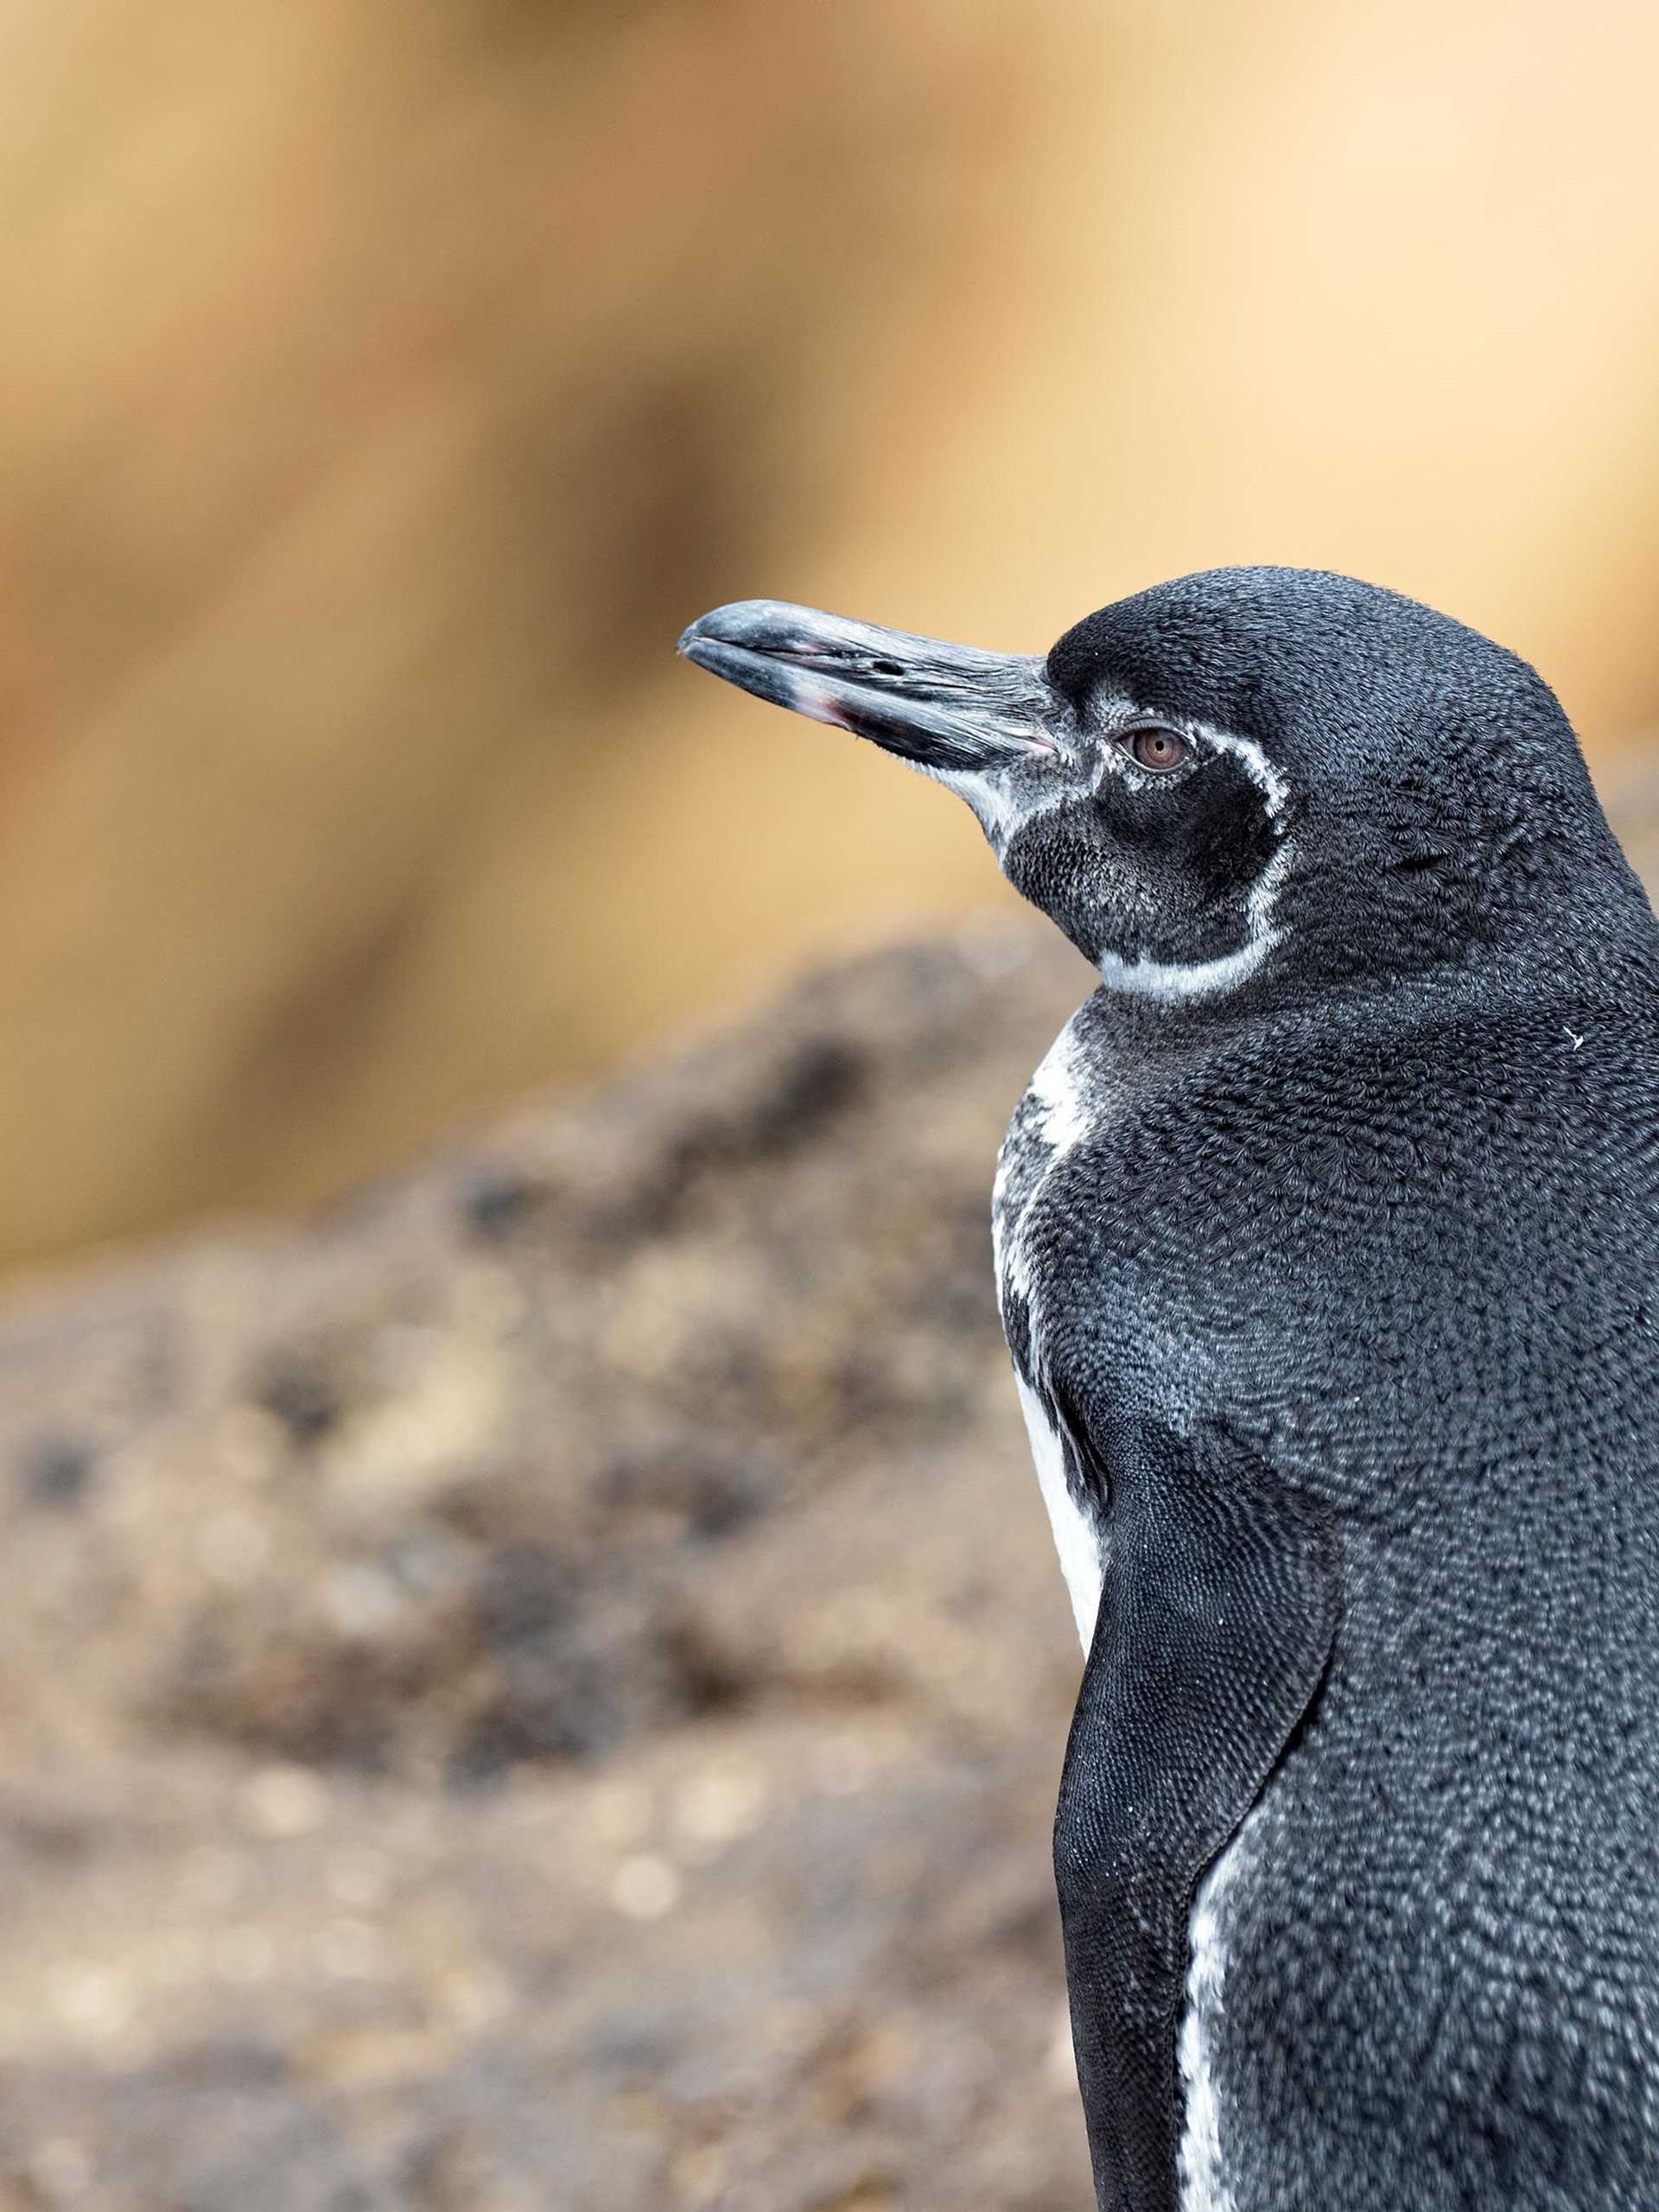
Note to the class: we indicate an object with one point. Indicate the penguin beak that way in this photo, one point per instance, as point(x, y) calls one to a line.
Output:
point(946, 708)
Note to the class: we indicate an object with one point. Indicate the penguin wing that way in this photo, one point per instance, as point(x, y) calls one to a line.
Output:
point(1217, 1612)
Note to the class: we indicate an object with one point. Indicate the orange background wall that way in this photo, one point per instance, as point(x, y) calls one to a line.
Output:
point(385, 382)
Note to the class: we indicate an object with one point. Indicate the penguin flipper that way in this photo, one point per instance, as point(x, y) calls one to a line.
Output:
point(1218, 1613)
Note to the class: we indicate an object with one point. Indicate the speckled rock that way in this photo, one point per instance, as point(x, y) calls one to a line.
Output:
point(546, 1688)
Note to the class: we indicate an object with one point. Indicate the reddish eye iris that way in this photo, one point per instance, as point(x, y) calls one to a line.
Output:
point(1158, 749)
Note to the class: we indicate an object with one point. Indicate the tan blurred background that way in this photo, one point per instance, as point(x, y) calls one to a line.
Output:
point(385, 386)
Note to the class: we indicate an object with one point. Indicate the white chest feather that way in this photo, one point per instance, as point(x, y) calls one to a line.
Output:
point(1075, 1536)
point(1204, 2183)
point(1055, 1114)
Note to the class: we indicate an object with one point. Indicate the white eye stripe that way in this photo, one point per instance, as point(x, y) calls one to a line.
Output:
point(1176, 980)
point(1257, 766)
point(1195, 979)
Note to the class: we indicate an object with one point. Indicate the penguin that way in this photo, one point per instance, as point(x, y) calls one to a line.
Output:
point(1327, 1248)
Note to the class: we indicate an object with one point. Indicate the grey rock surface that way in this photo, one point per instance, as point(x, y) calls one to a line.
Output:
point(545, 1689)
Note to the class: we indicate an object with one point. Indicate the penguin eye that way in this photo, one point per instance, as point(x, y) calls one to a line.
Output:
point(1157, 748)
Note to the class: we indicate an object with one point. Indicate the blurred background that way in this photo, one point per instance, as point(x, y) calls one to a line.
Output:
point(540, 1685)
point(386, 385)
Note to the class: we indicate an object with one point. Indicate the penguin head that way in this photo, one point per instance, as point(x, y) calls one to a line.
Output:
point(1244, 780)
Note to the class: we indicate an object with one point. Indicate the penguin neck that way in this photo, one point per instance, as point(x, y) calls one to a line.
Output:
point(1536, 887)
point(1584, 939)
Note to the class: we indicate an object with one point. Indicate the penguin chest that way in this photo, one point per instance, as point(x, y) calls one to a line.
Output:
point(1055, 1115)
point(1076, 1529)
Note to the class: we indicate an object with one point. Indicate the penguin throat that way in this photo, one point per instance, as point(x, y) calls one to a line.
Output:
point(1195, 979)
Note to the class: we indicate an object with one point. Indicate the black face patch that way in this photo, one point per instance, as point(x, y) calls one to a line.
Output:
point(1151, 870)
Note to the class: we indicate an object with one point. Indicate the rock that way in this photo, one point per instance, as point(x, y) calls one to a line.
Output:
point(546, 1685)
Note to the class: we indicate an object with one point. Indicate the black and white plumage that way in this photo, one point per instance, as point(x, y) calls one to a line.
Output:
point(1328, 1250)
